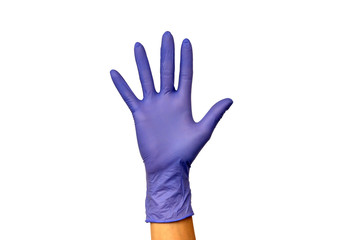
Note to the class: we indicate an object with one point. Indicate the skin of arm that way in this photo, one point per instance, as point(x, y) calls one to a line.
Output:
point(180, 230)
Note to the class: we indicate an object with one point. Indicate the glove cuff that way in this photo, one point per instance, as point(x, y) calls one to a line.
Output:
point(168, 196)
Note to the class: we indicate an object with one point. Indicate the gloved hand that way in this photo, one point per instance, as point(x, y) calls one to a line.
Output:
point(168, 137)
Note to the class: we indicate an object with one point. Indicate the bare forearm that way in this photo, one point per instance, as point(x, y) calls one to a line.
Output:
point(180, 230)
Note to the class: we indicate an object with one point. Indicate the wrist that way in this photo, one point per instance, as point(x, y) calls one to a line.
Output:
point(168, 196)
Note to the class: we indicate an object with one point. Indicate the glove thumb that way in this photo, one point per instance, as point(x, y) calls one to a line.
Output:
point(215, 113)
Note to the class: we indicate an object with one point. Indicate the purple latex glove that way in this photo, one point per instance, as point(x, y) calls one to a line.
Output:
point(168, 137)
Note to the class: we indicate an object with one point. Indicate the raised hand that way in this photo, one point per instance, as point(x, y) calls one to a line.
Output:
point(168, 137)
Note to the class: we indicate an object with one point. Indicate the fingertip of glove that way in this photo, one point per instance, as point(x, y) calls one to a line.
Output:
point(186, 44)
point(167, 33)
point(229, 103)
point(137, 44)
point(113, 72)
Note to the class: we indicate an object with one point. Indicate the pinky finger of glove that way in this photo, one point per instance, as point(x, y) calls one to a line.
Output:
point(125, 91)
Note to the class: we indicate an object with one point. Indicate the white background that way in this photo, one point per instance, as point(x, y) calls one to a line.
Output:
point(283, 162)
